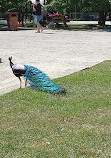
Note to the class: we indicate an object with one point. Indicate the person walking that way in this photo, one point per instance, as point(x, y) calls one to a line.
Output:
point(37, 15)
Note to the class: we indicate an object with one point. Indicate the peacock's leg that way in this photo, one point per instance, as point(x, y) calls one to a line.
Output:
point(26, 83)
point(20, 82)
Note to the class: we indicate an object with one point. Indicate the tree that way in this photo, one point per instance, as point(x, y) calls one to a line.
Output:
point(61, 6)
point(21, 6)
point(55, 6)
point(100, 6)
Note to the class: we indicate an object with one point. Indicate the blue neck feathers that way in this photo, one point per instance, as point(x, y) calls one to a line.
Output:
point(11, 64)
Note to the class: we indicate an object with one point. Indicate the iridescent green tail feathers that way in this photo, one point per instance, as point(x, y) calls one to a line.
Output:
point(38, 80)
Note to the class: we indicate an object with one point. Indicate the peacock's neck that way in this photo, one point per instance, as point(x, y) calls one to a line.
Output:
point(11, 64)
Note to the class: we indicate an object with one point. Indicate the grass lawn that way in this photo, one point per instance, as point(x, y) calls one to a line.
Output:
point(36, 124)
point(29, 26)
point(88, 27)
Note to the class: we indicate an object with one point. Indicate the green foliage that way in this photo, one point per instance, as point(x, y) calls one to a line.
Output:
point(24, 6)
point(85, 5)
point(100, 6)
point(61, 6)
point(21, 6)
point(40, 125)
point(95, 5)
point(56, 6)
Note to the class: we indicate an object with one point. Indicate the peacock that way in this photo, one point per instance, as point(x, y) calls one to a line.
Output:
point(36, 78)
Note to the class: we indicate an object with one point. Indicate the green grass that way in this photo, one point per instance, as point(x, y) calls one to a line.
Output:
point(1, 27)
point(36, 124)
point(84, 27)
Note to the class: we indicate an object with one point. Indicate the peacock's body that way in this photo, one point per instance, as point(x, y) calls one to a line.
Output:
point(36, 78)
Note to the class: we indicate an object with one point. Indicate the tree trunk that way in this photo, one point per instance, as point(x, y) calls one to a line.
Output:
point(23, 19)
point(102, 18)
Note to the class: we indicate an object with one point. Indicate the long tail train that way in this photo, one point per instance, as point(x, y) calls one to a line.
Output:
point(38, 80)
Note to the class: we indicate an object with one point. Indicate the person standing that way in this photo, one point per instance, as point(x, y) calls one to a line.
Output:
point(38, 16)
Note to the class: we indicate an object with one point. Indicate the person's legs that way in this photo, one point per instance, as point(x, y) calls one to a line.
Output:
point(37, 23)
point(38, 26)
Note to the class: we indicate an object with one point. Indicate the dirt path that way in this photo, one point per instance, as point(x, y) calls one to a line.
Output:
point(55, 52)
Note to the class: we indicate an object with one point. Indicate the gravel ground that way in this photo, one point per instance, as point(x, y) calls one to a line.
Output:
point(56, 52)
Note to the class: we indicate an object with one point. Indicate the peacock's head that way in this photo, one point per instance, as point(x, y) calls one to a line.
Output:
point(10, 58)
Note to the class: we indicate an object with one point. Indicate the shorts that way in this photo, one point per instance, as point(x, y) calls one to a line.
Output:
point(37, 18)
